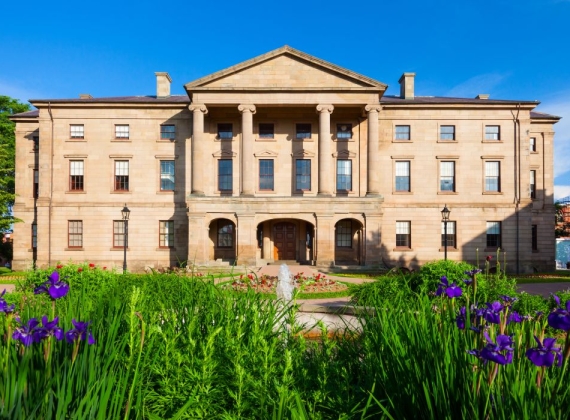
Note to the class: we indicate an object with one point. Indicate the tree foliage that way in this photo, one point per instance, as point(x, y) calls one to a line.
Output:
point(8, 106)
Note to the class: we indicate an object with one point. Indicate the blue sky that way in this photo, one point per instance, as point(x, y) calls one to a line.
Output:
point(509, 49)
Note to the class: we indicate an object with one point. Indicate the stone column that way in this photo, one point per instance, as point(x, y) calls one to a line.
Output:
point(326, 175)
point(197, 238)
point(373, 188)
point(267, 244)
point(198, 139)
point(247, 162)
point(325, 240)
point(246, 239)
point(373, 239)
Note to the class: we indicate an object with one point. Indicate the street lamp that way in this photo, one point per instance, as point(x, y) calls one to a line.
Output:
point(125, 213)
point(445, 218)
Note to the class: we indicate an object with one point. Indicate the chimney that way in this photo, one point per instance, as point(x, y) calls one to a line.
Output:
point(163, 81)
point(85, 96)
point(482, 96)
point(407, 85)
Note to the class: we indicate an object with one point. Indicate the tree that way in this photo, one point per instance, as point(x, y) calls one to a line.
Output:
point(8, 106)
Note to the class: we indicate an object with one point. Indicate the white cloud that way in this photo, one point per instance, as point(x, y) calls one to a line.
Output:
point(560, 106)
point(561, 191)
point(483, 83)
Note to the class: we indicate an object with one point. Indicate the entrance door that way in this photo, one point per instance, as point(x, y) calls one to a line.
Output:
point(284, 239)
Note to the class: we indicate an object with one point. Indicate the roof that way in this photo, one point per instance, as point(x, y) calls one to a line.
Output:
point(392, 99)
point(542, 116)
point(149, 99)
point(28, 114)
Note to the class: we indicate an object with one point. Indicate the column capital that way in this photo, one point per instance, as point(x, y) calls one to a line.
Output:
point(198, 107)
point(373, 108)
point(247, 108)
point(325, 108)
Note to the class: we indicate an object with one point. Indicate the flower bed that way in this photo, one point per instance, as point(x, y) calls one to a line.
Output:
point(306, 285)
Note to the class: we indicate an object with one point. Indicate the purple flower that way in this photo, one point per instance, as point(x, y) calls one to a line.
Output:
point(25, 332)
point(508, 300)
point(493, 312)
point(54, 287)
point(468, 282)
point(4, 307)
point(49, 329)
point(560, 318)
point(500, 353)
point(473, 272)
point(451, 290)
point(514, 316)
point(545, 354)
point(80, 332)
point(460, 319)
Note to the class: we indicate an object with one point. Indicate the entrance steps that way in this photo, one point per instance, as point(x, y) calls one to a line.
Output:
point(288, 262)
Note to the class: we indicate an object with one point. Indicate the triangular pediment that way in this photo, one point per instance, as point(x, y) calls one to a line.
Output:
point(344, 154)
point(303, 154)
point(265, 153)
point(285, 68)
point(224, 154)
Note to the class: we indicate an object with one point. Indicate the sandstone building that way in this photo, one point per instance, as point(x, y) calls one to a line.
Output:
point(284, 157)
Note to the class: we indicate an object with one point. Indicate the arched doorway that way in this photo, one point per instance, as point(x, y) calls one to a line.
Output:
point(223, 240)
point(284, 241)
point(348, 242)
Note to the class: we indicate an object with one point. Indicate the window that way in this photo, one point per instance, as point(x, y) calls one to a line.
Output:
point(492, 176)
point(343, 175)
point(225, 175)
point(403, 176)
point(344, 234)
point(166, 175)
point(121, 175)
point(266, 131)
point(533, 184)
point(118, 233)
point(303, 131)
point(534, 237)
point(36, 190)
point(166, 234)
point(225, 131)
point(447, 132)
point(34, 236)
point(36, 143)
point(451, 236)
point(75, 175)
point(447, 176)
point(402, 132)
point(532, 146)
point(303, 175)
point(76, 131)
point(493, 234)
point(492, 132)
point(266, 178)
point(225, 234)
point(344, 131)
point(403, 235)
point(75, 234)
point(167, 132)
point(122, 131)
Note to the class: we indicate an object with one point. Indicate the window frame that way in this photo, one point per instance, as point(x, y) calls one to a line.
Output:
point(225, 179)
point(225, 131)
point(491, 135)
point(301, 132)
point(222, 232)
point(264, 133)
point(343, 234)
point(302, 176)
point(402, 177)
point(446, 177)
point(493, 240)
point(164, 175)
point(489, 178)
point(75, 234)
point(119, 233)
point(76, 181)
point(342, 179)
point(403, 239)
point(532, 145)
point(34, 232)
point(442, 134)
point(77, 131)
point(166, 133)
point(120, 135)
point(402, 135)
point(266, 174)
point(532, 184)
point(121, 184)
point(451, 236)
point(36, 183)
point(340, 133)
point(166, 234)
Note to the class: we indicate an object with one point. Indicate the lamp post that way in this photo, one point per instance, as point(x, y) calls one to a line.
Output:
point(125, 213)
point(445, 218)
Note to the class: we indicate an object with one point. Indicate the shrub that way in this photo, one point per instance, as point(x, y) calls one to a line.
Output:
point(432, 272)
point(388, 288)
point(528, 304)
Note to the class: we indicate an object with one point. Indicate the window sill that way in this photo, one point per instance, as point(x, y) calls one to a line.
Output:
point(165, 248)
point(76, 192)
point(74, 249)
point(76, 140)
point(492, 193)
point(166, 192)
point(402, 192)
point(492, 141)
point(447, 193)
point(119, 248)
point(265, 139)
point(121, 141)
point(449, 249)
point(263, 192)
point(533, 153)
point(446, 141)
point(121, 192)
point(403, 249)
point(402, 141)
point(309, 139)
point(166, 141)
point(344, 140)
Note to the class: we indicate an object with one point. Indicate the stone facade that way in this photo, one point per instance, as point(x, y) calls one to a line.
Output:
point(283, 157)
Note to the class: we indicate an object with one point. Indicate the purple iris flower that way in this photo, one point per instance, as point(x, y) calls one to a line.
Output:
point(473, 272)
point(451, 290)
point(49, 329)
point(508, 299)
point(545, 354)
point(54, 287)
point(4, 307)
point(514, 316)
point(560, 318)
point(500, 353)
point(460, 319)
point(493, 312)
point(26, 332)
point(80, 332)
point(468, 282)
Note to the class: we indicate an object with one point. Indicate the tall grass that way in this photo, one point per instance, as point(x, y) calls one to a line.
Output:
point(173, 347)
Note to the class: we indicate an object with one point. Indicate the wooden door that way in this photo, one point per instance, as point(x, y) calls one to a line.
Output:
point(284, 240)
